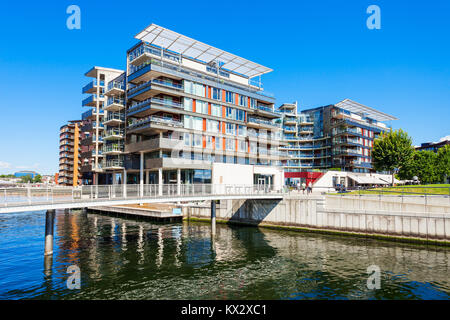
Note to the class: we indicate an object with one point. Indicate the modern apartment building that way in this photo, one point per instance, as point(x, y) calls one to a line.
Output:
point(308, 146)
point(69, 154)
point(103, 125)
point(333, 136)
point(433, 146)
point(181, 108)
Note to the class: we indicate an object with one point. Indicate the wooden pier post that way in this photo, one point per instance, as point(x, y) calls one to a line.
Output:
point(213, 217)
point(49, 226)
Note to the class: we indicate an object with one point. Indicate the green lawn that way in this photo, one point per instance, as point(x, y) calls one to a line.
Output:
point(413, 189)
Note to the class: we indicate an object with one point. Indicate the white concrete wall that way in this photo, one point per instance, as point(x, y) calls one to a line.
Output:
point(229, 173)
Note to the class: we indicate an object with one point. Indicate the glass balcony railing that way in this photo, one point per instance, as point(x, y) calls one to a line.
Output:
point(154, 81)
point(262, 121)
point(117, 85)
point(115, 116)
point(114, 163)
point(144, 104)
point(171, 68)
point(89, 101)
point(157, 120)
point(89, 113)
point(116, 147)
point(113, 132)
point(114, 100)
point(92, 84)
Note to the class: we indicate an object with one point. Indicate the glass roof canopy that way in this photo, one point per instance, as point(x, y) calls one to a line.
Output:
point(356, 107)
point(194, 49)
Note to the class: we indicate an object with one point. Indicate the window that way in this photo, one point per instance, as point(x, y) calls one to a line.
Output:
point(219, 145)
point(201, 107)
point(240, 115)
point(195, 123)
point(242, 145)
point(230, 128)
point(229, 97)
point(253, 147)
point(187, 139)
point(216, 94)
point(197, 140)
point(187, 104)
point(230, 113)
point(208, 142)
point(243, 100)
point(216, 110)
point(242, 131)
point(194, 88)
point(230, 144)
point(252, 103)
point(212, 126)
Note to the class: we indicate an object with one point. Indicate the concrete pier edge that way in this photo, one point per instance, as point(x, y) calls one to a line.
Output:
point(410, 240)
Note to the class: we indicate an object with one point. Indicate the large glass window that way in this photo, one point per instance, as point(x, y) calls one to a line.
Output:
point(201, 107)
point(197, 140)
point(240, 115)
point(230, 128)
point(187, 139)
point(219, 145)
point(195, 123)
point(253, 147)
point(243, 100)
point(242, 131)
point(187, 104)
point(242, 145)
point(194, 88)
point(216, 94)
point(230, 113)
point(216, 110)
point(212, 125)
point(230, 144)
point(229, 97)
point(208, 142)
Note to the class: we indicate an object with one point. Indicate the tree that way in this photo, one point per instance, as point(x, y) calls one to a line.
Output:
point(392, 150)
point(27, 178)
point(443, 163)
point(37, 178)
point(423, 165)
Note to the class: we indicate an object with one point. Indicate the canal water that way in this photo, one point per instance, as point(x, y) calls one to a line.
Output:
point(129, 259)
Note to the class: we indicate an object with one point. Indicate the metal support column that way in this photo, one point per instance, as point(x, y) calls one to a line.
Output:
point(49, 226)
point(160, 182)
point(141, 172)
point(213, 217)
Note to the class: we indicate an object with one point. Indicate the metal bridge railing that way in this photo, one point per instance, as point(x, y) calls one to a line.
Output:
point(24, 196)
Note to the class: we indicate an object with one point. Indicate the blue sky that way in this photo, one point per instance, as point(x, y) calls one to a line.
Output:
point(321, 52)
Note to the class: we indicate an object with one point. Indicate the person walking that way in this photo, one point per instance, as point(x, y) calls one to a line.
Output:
point(303, 187)
point(309, 187)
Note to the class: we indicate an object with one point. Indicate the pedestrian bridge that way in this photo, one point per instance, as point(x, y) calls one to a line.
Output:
point(23, 199)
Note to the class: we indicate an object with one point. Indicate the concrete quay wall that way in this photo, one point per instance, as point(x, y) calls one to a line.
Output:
point(318, 213)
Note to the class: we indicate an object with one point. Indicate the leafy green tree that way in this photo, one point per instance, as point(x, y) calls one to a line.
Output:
point(27, 178)
point(37, 179)
point(443, 163)
point(392, 150)
point(423, 165)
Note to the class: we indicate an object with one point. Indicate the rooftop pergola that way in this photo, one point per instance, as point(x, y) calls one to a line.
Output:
point(191, 48)
point(356, 107)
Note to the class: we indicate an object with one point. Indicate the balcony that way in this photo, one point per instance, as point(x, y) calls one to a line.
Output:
point(266, 111)
point(92, 86)
point(262, 123)
point(153, 87)
point(115, 88)
point(144, 69)
point(114, 104)
point(155, 144)
point(91, 101)
point(113, 149)
point(153, 105)
point(289, 129)
point(113, 134)
point(91, 114)
point(153, 122)
point(290, 120)
point(112, 164)
point(114, 119)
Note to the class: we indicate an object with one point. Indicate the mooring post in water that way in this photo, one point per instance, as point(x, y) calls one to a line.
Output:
point(49, 223)
point(213, 217)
